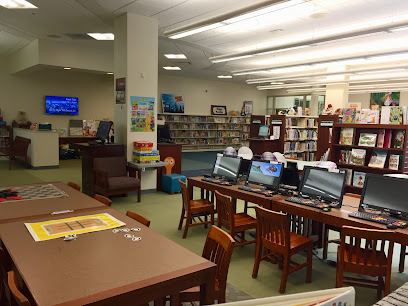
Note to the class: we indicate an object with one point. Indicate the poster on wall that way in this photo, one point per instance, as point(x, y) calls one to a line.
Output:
point(173, 103)
point(248, 107)
point(121, 91)
point(142, 114)
point(379, 99)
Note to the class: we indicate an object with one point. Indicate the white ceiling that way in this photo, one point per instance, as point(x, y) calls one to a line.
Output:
point(61, 17)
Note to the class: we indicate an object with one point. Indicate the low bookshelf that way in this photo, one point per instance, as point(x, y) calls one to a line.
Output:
point(368, 148)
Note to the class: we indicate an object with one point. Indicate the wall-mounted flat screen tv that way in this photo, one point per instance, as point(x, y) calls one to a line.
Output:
point(61, 105)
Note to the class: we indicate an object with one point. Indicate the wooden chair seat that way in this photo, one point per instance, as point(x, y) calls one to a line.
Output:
point(202, 204)
point(244, 222)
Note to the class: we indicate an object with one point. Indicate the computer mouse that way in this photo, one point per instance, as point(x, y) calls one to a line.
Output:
point(326, 209)
point(392, 226)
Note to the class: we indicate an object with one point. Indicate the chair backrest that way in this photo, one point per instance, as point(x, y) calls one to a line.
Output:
point(13, 285)
point(20, 145)
point(225, 211)
point(364, 243)
point(185, 196)
point(113, 166)
point(171, 162)
point(103, 199)
point(272, 229)
point(74, 185)
point(138, 217)
point(218, 249)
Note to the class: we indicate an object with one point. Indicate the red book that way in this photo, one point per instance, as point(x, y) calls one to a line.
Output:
point(387, 139)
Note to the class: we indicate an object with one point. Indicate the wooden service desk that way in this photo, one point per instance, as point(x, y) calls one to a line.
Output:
point(25, 209)
point(105, 268)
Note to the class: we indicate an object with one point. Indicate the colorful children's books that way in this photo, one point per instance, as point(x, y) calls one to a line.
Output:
point(385, 115)
point(358, 179)
point(345, 156)
point(394, 161)
point(358, 157)
point(396, 114)
point(367, 139)
point(380, 138)
point(378, 158)
point(346, 136)
point(399, 139)
point(349, 115)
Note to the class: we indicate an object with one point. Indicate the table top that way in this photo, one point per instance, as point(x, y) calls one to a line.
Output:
point(18, 210)
point(98, 265)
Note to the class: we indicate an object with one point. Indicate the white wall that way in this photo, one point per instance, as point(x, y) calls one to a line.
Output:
point(199, 94)
point(27, 92)
point(364, 98)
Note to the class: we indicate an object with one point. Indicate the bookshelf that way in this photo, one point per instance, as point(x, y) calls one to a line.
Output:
point(325, 130)
point(338, 150)
point(198, 133)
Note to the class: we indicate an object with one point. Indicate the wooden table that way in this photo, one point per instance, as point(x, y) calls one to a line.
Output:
point(104, 268)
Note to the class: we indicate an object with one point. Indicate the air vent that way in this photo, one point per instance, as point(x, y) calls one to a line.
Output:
point(79, 36)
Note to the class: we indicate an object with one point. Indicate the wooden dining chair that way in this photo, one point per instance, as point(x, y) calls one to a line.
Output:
point(14, 288)
point(138, 217)
point(74, 185)
point(103, 199)
point(218, 249)
point(365, 255)
point(5, 267)
point(274, 240)
point(235, 223)
point(192, 209)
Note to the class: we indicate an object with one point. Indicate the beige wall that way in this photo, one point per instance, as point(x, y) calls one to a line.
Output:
point(200, 94)
point(27, 92)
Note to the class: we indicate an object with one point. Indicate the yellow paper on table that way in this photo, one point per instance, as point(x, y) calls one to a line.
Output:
point(52, 229)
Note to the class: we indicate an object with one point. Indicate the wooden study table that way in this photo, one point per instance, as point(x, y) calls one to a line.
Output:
point(105, 268)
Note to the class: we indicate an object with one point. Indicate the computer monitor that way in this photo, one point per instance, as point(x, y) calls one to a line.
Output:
point(266, 174)
point(163, 133)
point(290, 176)
point(323, 184)
point(103, 130)
point(227, 167)
point(263, 131)
point(245, 166)
point(383, 193)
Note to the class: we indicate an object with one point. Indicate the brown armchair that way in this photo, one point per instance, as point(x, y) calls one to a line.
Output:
point(17, 148)
point(112, 176)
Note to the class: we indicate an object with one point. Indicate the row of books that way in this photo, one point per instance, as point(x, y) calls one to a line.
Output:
point(300, 122)
point(185, 118)
point(211, 134)
point(306, 156)
point(298, 147)
point(382, 139)
point(388, 115)
point(203, 141)
point(354, 178)
point(204, 126)
point(377, 158)
point(294, 134)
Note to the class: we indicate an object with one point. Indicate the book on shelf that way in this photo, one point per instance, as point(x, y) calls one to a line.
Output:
point(399, 139)
point(349, 175)
point(358, 157)
point(357, 107)
point(345, 156)
point(396, 114)
point(346, 136)
point(387, 139)
point(349, 115)
point(358, 179)
point(385, 115)
point(380, 138)
point(373, 117)
point(364, 115)
point(394, 162)
point(378, 158)
point(367, 139)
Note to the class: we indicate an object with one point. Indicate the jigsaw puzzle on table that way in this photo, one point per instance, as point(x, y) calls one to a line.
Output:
point(31, 192)
point(52, 229)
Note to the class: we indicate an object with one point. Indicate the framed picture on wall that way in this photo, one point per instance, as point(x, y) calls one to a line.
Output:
point(173, 103)
point(248, 105)
point(220, 110)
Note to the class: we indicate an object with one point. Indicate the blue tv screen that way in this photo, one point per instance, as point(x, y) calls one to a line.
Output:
point(61, 105)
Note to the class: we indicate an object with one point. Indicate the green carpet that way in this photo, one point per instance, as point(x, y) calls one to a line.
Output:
point(164, 212)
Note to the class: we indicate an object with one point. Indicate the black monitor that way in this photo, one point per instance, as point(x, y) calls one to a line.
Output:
point(103, 130)
point(245, 166)
point(263, 131)
point(323, 184)
point(163, 133)
point(265, 174)
point(384, 193)
point(227, 168)
point(290, 176)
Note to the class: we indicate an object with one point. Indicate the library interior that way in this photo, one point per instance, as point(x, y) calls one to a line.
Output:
point(190, 152)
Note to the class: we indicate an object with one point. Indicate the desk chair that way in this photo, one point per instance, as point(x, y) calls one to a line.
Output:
point(13, 285)
point(272, 234)
point(235, 223)
point(102, 199)
point(194, 208)
point(218, 249)
point(74, 185)
point(359, 258)
point(138, 217)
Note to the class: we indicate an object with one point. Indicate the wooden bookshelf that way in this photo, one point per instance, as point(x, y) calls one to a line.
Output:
point(325, 128)
point(336, 149)
point(301, 137)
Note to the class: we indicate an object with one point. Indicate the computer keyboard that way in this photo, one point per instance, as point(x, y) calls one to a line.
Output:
point(265, 192)
point(216, 181)
point(308, 202)
point(378, 219)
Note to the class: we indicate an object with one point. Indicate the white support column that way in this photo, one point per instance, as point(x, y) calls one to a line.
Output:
point(337, 94)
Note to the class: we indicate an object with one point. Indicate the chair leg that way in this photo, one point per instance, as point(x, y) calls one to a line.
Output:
point(139, 195)
point(285, 273)
point(380, 287)
point(246, 207)
point(212, 217)
point(258, 254)
point(9, 162)
point(309, 266)
point(206, 220)
point(188, 221)
point(402, 258)
point(221, 297)
point(325, 241)
point(181, 218)
point(339, 273)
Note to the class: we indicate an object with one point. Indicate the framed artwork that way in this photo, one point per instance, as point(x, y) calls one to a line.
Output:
point(173, 103)
point(220, 110)
point(379, 99)
point(248, 105)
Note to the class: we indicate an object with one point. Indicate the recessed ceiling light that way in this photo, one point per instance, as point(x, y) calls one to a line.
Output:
point(67, 68)
point(225, 76)
point(102, 36)
point(17, 4)
point(172, 68)
point(109, 73)
point(175, 56)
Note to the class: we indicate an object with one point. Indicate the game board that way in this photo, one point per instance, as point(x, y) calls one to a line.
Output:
point(36, 192)
point(52, 229)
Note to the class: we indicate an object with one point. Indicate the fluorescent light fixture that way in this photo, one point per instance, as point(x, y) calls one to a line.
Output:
point(17, 4)
point(277, 83)
point(196, 31)
point(102, 36)
point(109, 73)
point(385, 71)
point(67, 68)
point(175, 56)
point(225, 76)
point(398, 29)
point(172, 68)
